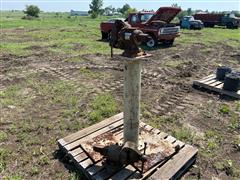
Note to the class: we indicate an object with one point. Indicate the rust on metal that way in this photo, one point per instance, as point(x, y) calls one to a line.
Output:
point(157, 150)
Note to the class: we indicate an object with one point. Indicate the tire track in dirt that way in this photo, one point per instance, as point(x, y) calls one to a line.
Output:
point(11, 77)
point(172, 100)
point(177, 99)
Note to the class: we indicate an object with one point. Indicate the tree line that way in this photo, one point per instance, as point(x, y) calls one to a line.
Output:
point(96, 9)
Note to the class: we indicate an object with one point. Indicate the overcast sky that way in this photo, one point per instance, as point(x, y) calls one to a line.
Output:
point(67, 5)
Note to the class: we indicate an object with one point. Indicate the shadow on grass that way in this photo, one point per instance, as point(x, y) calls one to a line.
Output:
point(68, 164)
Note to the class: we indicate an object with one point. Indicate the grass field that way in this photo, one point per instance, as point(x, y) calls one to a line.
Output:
point(60, 33)
point(43, 98)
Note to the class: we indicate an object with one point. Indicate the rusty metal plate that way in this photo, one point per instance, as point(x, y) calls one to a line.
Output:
point(157, 150)
point(105, 139)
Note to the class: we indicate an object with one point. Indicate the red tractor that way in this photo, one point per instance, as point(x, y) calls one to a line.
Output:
point(157, 24)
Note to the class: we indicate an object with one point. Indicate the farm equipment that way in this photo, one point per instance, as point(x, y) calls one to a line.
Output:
point(190, 23)
point(156, 24)
point(210, 20)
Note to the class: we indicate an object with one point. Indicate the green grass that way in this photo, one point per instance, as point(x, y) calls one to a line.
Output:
point(51, 30)
point(213, 140)
point(228, 166)
point(173, 64)
point(102, 106)
point(13, 177)
point(15, 48)
point(3, 136)
point(238, 106)
point(224, 109)
point(10, 96)
point(183, 134)
point(63, 32)
point(4, 153)
point(57, 91)
point(234, 122)
point(210, 36)
point(34, 171)
point(90, 73)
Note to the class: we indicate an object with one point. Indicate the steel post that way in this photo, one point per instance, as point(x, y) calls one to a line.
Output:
point(132, 91)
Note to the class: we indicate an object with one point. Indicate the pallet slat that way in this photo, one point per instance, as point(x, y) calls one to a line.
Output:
point(75, 152)
point(171, 167)
point(124, 173)
point(212, 76)
point(90, 129)
point(86, 163)
point(94, 169)
point(101, 131)
point(210, 81)
point(216, 86)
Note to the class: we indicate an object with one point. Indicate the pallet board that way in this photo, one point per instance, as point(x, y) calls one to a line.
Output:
point(211, 83)
point(78, 146)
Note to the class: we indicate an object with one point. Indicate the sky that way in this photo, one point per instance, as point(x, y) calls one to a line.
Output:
point(83, 5)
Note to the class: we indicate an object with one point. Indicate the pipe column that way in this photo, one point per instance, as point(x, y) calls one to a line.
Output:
point(132, 91)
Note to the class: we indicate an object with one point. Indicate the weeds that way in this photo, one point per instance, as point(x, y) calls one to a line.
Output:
point(213, 140)
point(238, 106)
point(75, 176)
point(90, 73)
point(102, 106)
point(234, 122)
point(10, 96)
point(168, 123)
point(227, 166)
point(173, 64)
point(13, 177)
point(4, 153)
point(44, 160)
point(34, 171)
point(184, 134)
point(236, 143)
point(3, 136)
point(225, 109)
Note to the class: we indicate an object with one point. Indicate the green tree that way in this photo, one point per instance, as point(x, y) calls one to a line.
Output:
point(130, 10)
point(182, 14)
point(95, 8)
point(109, 10)
point(124, 9)
point(32, 11)
point(189, 11)
point(175, 5)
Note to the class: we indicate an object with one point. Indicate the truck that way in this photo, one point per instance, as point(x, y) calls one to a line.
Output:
point(189, 22)
point(210, 20)
point(157, 24)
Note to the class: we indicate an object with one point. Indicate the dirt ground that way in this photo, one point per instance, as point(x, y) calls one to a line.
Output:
point(33, 121)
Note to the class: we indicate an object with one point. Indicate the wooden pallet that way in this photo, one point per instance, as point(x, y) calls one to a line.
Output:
point(211, 83)
point(78, 146)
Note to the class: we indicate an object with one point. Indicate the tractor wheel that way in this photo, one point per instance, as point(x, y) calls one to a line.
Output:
point(221, 72)
point(232, 82)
